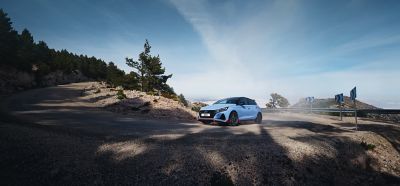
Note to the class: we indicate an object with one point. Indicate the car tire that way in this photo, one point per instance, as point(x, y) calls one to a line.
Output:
point(259, 118)
point(233, 119)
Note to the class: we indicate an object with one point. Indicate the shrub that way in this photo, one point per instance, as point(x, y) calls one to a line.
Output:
point(367, 146)
point(196, 108)
point(121, 95)
point(170, 96)
point(183, 100)
point(151, 93)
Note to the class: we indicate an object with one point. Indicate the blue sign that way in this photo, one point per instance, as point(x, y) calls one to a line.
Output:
point(353, 93)
point(339, 98)
point(309, 99)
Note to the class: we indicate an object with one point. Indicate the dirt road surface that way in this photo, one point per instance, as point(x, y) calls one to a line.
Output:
point(53, 136)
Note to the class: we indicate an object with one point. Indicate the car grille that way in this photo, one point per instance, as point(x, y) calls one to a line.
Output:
point(212, 113)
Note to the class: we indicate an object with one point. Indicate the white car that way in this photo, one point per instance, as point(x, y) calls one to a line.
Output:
point(231, 111)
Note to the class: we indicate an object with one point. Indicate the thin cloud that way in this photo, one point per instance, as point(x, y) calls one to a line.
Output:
point(271, 50)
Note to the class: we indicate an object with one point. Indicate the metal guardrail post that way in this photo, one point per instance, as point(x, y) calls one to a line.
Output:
point(355, 113)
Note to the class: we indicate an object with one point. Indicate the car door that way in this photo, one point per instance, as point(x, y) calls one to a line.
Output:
point(244, 109)
point(253, 111)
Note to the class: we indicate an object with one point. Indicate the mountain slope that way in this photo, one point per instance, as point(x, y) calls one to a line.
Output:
point(331, 103)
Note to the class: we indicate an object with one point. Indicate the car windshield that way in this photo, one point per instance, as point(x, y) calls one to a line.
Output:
point(227, 101)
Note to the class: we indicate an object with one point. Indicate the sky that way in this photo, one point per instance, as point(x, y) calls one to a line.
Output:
point(223, 48)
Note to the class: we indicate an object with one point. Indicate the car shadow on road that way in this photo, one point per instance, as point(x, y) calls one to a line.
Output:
point(208, 157)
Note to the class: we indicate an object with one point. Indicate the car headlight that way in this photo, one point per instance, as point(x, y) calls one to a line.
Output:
point(222, 109)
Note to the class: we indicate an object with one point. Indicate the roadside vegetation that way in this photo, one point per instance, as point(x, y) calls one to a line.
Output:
point(19, 51)
point(276, 101)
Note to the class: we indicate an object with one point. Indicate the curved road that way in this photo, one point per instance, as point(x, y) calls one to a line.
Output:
point(56, 137)
point(63, 106)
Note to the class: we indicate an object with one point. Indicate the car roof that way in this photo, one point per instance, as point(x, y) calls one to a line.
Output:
point(235, 97)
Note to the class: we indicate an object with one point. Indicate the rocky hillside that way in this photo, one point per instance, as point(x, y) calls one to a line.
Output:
point(136, 103)
point(331, 103)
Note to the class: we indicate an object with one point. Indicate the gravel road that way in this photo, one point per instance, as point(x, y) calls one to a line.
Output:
point(52, 136)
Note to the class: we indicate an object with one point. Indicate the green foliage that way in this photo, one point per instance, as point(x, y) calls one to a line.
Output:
point(121, 95)
point(115, 77)
point(367, 146)
point(21, 52)
point(277, 100)
point(131, 81)
point(183, 100)
point(8, 40)
point(150, 72)
point(196, 106)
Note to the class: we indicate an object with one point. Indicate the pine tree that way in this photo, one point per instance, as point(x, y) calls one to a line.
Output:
point(25, 51)
point(115, 76)
point(8, 40)
point(142, 64)
point(151, 72)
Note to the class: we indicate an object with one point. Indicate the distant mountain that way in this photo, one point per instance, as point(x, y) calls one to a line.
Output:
point(331, 103)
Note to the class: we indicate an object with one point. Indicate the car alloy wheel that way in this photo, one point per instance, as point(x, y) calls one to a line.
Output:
point(233, 119)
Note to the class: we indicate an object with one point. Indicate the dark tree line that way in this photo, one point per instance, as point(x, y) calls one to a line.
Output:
point(20, 51)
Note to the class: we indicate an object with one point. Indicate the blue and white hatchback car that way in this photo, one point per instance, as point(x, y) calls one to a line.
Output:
point(231, 111)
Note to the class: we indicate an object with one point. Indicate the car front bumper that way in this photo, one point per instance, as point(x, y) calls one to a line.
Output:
point(218, 117)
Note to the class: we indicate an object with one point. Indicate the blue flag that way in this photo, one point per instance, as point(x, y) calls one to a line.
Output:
point(339, 98)
point(353, 94)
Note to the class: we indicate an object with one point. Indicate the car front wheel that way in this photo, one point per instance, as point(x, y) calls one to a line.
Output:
point(233, 119)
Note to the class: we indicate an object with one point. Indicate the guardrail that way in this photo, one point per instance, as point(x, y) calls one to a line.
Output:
point(307, 110)
point(330, 110)
point(363, 111)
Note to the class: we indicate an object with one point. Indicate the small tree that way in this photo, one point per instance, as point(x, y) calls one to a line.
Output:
point(183, 100)
point(141, 64)
point(277, 100)
point(150, 70)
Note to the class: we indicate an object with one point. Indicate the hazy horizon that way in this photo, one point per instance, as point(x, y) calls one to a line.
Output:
point(218, 49)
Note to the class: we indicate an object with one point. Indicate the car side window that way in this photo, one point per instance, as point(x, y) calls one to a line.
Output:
point(243, 101)
point(251, 102)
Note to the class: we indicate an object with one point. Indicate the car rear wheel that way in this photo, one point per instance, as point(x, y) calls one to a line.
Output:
point(259, 118)
point(233, 119)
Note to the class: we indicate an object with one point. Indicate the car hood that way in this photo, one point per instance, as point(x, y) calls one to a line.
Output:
point(216, 106)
